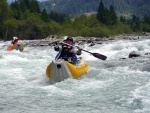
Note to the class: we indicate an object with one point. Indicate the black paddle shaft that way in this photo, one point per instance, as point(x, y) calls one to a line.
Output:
point(97, 55)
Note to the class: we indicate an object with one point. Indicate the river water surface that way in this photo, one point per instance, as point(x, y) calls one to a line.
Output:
point(111, 86)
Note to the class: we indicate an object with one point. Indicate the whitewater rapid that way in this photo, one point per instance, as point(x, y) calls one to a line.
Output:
point(112, 86)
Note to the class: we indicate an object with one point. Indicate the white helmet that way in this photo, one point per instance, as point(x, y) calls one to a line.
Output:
point(65, 37)
point(14, 37)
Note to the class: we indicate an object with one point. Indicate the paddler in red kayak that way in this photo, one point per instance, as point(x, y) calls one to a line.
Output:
point(15, 40)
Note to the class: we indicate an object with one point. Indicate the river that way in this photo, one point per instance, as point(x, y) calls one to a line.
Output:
point(111, 86)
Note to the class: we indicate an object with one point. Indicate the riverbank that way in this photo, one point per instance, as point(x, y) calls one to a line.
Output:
point(50, 41)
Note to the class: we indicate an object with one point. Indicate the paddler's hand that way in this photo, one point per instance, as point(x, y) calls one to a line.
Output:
point(69, 47)
point(57, 42)
point(64, 46)
point(79, 48)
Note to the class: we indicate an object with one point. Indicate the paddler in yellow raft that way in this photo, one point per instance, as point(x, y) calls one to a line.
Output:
point(66, 64)
point(68, 52)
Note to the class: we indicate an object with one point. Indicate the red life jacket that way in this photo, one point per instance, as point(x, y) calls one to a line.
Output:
point(15, 41)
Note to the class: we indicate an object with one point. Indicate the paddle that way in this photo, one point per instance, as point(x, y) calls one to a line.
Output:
point(97, 55)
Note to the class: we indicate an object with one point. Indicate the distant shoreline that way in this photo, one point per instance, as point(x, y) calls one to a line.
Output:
point(50, 41)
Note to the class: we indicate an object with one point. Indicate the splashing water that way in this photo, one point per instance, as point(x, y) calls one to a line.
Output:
point(116, 86)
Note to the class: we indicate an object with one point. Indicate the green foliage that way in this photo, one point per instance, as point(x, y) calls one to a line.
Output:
point(94, 32)
point(101, 13)
point(106, 16)
point(4, 16)
point(58, 17)
point(146, 24)
point(45, 16)
point(146, 28)
point(146, 19)
point(34, 6)
point(92, 21)
point(11, 28)
point(54, 28)
point(29, 23)
point(135, 24)
point(20, 7)
point(122, 19)
point(79, 22)
point(113, 16)
point(120, 28)
point(30, 28)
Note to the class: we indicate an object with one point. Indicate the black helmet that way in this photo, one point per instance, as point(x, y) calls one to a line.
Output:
point(69, 38)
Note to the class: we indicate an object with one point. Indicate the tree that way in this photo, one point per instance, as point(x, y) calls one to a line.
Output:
point(58, 17)
point(4, 16)
point(44, 16)
point(135, 24)
point(34, 7)
point(16, 10)
point(101, 13)
point(113, 16)
point(105, 15)
point(146, 19)
point(23, 6)
point(122, 19)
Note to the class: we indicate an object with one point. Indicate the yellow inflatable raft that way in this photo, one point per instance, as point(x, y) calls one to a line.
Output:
point(58, 70)
point(19, 47)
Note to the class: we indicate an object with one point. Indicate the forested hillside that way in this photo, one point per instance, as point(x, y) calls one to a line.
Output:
point(25, 19)
point(126, 7)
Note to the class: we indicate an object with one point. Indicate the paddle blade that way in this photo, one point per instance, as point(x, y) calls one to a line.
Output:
point(100, 56)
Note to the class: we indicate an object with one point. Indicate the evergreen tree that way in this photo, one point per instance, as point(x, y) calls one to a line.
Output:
point(16, 11)
point(44, 16)
point(34, 6)
point(105, 15)
point(22, 6)
point(27, 3)
point(4, 15)
point(122, 19)
point(146, 19)
point(146, 22)
point(58, 17)
point(135, 24)
point(101, 13)
point(113, 16)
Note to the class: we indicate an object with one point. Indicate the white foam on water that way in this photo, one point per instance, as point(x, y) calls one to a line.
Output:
point(142, 94)
point(116, 85)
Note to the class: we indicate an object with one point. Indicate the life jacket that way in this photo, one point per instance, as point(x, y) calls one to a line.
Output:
point(15, 41)
point(66, 54)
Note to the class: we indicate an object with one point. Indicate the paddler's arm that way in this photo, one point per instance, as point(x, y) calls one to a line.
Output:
point(79, 51)
point(57, 46)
